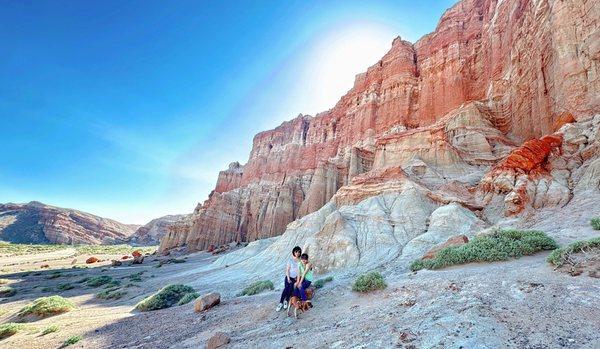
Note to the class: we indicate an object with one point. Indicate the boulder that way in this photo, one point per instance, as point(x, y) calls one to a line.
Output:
point(92, 260)
point(136, 253)
point(138, 259)
point(207, 301)
point(218, 340)
point(116, 263)
point(453, 241)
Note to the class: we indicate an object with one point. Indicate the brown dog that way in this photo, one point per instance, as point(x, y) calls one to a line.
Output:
point(298, 305)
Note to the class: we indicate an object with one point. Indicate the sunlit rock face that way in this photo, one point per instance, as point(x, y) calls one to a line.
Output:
point(444, 112)
point(37, 223)
point(152, 232)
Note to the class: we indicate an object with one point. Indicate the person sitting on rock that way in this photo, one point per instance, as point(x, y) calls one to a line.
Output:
point(305, 278)
point(291, 274)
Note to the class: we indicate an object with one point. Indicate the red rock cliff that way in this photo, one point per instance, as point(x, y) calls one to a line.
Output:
point(524, 62)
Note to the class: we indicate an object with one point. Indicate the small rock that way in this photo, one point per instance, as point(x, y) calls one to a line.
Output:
point(218, 340)
point(125, 257)
point(207, 301)
point(74, 261)
point(92, 260)
point(116, 263)
point(138, 259)
point(44, 266)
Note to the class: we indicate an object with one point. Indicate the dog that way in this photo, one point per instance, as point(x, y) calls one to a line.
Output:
point(298, 305)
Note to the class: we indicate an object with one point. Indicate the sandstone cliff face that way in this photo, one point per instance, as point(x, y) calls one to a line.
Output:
point(493, 75)
point(153, 231)
point(38, 223)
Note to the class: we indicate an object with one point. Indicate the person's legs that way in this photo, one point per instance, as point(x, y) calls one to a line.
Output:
point(285, 291)
point(290, 289)
point(305, 284)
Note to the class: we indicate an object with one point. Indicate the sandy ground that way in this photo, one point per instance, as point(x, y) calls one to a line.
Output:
point(516, 304)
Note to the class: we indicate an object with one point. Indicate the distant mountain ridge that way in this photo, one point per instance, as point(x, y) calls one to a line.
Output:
point(38, 223)
point(153, 231)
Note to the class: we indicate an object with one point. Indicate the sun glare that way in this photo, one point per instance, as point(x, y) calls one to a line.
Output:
point(337, 58)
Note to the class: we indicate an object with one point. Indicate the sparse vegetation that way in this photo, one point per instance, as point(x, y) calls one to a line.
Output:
point(562, 255)
point(54, 275)
point(112, 283)
point(188, 298)
point(369, 282)
point(7, 291)
point(595, 222)
point(137, 277)
point(80, 281)
point(46, 306)
point(50, 329)
point(47, 289)
point(65, 287)
point(21, 249)
point(167, 297)
point(98, 281)
point(500, 245)
point(111, 294)
point(9, 329)
point(257, 287)
point(321, 282)
point(72, 340)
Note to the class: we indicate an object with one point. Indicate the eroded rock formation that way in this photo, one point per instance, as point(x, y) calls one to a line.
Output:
point(448, 114)
point(37, 223)
point(153, 231)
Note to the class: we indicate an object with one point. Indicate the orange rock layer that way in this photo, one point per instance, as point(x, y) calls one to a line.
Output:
point(526, 63)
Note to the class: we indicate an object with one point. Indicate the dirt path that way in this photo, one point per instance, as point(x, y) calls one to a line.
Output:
point(516, 304)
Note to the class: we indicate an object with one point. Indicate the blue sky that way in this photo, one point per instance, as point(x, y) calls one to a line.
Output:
point(129, 109)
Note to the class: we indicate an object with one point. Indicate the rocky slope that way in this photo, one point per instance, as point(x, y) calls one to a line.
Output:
point(456, 113)
point(37, 223)
point(153, 231)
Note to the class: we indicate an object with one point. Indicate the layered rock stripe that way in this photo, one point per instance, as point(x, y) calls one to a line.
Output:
point(493, 76)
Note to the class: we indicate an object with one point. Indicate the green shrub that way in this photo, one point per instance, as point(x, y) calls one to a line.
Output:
point(369, 282)
point(111, 294)
point(8, 329)
point(561, 256)
point(595, 222)
point(72, 340)
point(7, 291)
point(167, 297)
point(47, 289)
point(112, 283)
point(80, 281)
point(257, 287)
point(137, 277)
point(64, 287)
point(321, 282)
point(50, 329)
point(46, 306)
point(97, 281)
point(188, 298)
point(54, 275)
point(500, 245)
